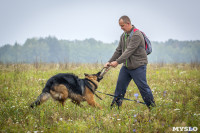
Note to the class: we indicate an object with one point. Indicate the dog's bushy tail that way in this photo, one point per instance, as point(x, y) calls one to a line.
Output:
point(44, 96)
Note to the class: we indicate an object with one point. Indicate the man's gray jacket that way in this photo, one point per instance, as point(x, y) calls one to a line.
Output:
point(132, 51)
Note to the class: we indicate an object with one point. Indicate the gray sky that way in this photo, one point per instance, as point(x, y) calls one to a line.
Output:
point(81, 19)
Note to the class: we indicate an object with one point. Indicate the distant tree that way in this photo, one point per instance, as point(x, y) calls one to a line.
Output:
point(50, 49)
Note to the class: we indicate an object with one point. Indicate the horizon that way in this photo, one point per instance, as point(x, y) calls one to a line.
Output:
point(37, 38)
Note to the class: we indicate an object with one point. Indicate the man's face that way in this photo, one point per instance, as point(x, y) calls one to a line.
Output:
point(124, 26)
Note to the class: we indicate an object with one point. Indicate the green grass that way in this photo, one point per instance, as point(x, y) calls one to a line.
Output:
point(176, 89)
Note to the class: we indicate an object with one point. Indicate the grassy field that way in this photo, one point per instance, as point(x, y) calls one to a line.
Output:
point(176, 89)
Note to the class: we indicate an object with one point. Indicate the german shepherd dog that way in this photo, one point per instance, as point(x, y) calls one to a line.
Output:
point(65, 85)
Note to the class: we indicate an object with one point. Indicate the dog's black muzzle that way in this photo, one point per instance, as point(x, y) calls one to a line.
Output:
point(99, 77)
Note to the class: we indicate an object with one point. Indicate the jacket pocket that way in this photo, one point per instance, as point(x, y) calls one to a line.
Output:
point(131, 61)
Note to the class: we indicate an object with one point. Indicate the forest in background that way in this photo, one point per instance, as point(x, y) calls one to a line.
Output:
point(52, 50)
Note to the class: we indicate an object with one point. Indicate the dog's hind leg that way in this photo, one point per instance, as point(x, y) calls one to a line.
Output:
point(41, 98)
point(62, 102)
point(60, 93)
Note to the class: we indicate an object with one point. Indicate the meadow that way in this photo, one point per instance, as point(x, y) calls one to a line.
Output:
point(176, 89)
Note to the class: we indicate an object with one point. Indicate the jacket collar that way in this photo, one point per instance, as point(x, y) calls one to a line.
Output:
point(129, 32)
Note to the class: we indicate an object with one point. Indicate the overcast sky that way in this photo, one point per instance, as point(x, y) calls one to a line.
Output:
point(81, 19)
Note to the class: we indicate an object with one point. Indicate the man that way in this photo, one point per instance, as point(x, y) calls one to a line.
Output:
point(131, 52)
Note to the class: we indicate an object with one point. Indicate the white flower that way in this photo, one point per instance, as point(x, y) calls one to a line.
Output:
point(176, 109)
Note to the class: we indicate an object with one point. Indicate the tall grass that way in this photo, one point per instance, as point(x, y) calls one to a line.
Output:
point(175, 88)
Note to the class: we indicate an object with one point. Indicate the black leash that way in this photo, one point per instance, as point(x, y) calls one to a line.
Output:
point(103, 72)
point(122, 98)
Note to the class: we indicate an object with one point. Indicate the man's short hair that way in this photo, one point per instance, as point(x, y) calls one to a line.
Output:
point(125, 18)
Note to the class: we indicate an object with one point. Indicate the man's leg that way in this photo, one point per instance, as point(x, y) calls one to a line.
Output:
point(139, 77)
point(124, 79)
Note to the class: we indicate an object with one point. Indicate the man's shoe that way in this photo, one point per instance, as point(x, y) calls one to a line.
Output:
point(119, 103)
point(113, 102)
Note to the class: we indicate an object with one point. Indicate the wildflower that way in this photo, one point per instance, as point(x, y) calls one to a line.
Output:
point(135, 115)
point(191, 128)
point(118, 119)
point(61, 119)
point(176, 109)
point(134, 130)
point(164, 93)
point(136, 95)
point(182, 72)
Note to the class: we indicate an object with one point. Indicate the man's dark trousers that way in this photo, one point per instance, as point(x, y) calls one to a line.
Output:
point(139, 77)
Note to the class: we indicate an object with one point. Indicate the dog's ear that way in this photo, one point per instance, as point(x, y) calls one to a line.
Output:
point(86, 74)
point(98, 74)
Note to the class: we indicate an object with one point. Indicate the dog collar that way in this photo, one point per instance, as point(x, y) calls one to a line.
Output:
point(92, 83)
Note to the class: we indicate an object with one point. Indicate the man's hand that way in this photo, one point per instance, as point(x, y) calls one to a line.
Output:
point(114, 64)
point(107, 64)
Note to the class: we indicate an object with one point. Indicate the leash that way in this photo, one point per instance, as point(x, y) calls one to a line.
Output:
point(121, 98)
point(103, 72)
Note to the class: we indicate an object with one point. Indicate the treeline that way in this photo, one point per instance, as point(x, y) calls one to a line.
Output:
point(52, 50)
